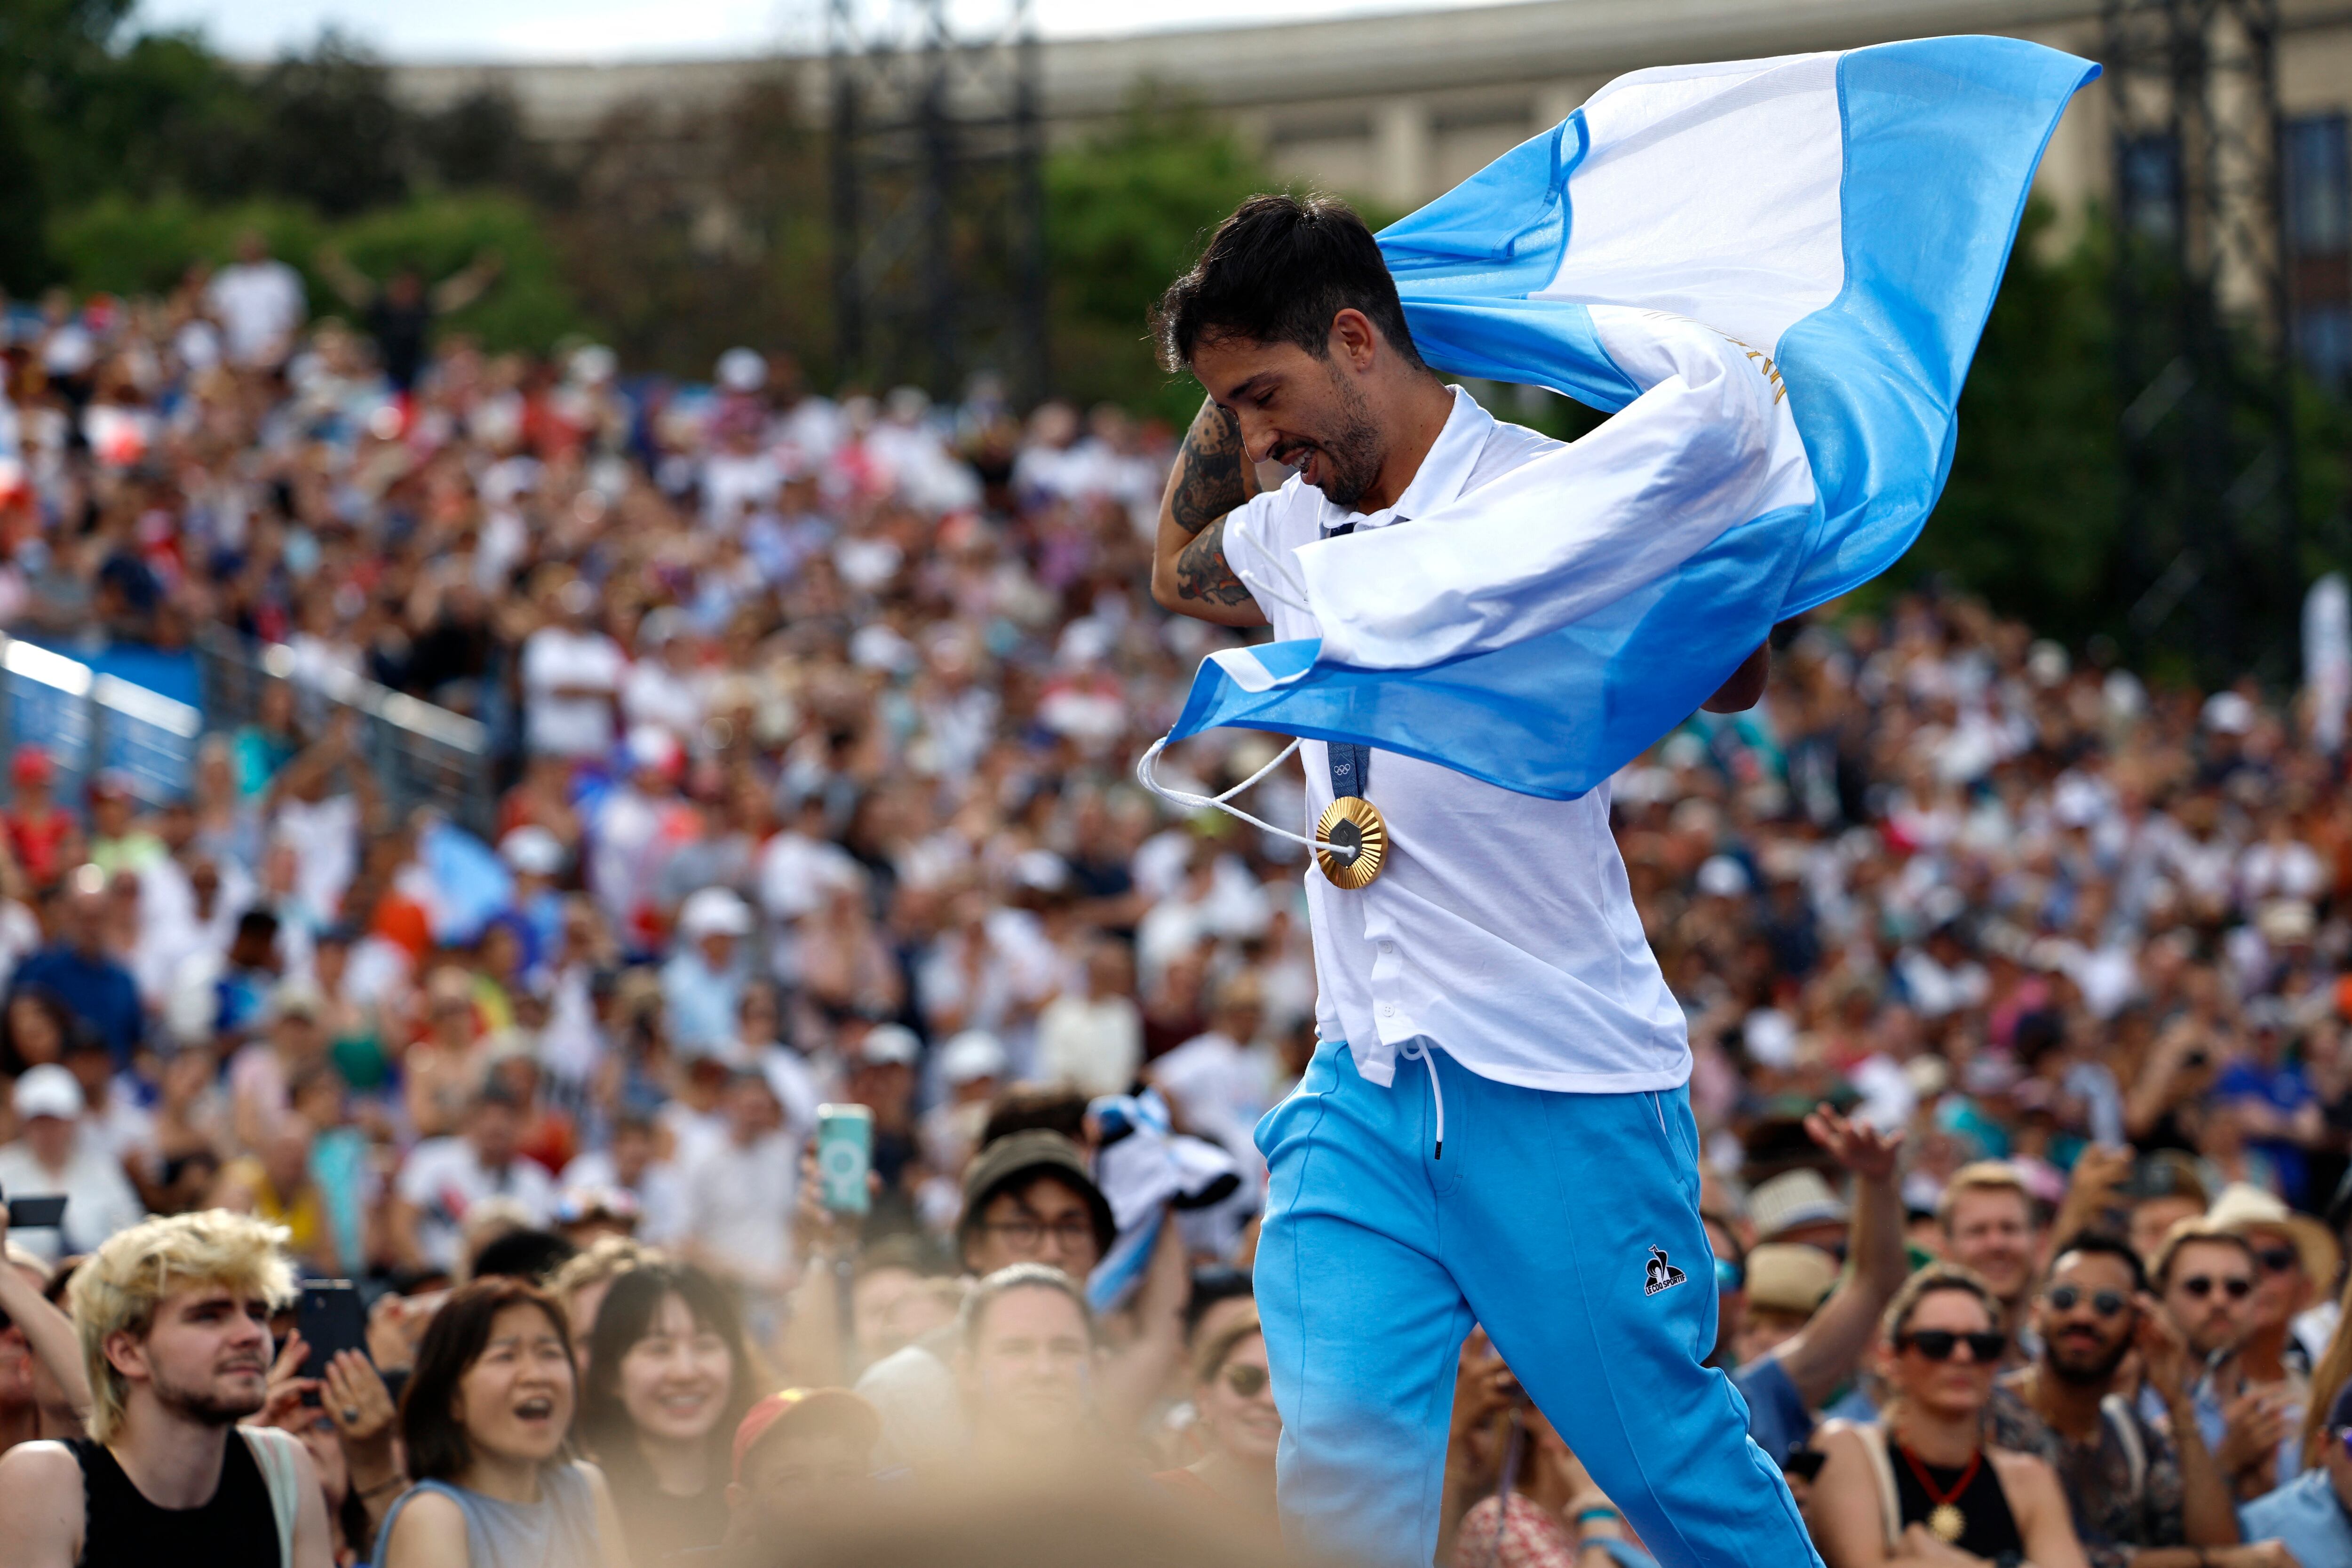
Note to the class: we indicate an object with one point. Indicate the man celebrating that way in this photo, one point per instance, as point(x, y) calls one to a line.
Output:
point(174, 1320)
point(1538, 1173)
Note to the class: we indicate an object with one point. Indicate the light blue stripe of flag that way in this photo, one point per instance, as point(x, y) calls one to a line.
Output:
point(1940, 141)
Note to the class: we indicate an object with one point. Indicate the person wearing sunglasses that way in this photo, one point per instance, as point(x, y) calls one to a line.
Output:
point(2206, 1276)
point(2311, 1516)
point(2143, 1493)
point(1239, 1426)
point(1924, 1485)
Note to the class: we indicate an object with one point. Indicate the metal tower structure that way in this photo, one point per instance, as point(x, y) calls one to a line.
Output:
point(2210, 562)
point(938, 196)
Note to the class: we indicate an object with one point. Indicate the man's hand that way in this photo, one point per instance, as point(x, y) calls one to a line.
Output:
point(1861, 1149)
point(1213, 474)
point(2256, 1425)
point(2163, 1350)
point(1746, 687)
point(2255, 1555)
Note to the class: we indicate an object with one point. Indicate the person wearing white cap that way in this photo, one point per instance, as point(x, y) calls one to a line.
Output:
point(51, 1157)
point(973, 1068)
point(703, 982)
point(536, 856)
point(571, 675)
point(626, 836)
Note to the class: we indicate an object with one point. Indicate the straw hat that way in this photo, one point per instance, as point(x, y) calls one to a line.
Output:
point(2243, 1207)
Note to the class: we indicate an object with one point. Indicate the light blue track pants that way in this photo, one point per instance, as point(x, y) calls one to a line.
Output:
point(1538, 1222)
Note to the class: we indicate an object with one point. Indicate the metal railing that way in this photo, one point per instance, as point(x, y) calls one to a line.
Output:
point(91, 723)
point(421, 755)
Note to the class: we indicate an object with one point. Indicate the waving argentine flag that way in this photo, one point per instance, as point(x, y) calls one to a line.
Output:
point(1773, 273)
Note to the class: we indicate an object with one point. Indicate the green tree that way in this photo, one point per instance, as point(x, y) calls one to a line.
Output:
point(1125, 211)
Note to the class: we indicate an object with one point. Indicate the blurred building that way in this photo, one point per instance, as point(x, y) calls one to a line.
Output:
point(1396, 107)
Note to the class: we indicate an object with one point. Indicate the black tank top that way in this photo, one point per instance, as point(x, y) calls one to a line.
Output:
point(121, 1529)
point(1988, 1529)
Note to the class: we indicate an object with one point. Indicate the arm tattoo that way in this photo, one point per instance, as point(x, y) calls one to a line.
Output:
point(1201, 572)
point(1209, 481)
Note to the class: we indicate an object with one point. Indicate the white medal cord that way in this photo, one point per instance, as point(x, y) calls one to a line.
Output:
point(1146, 776)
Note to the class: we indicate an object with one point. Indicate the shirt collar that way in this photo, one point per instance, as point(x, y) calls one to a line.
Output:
point(1442, 475)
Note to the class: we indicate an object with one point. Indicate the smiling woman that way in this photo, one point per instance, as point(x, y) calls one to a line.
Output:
point(668, 1380)
point(484, 1417)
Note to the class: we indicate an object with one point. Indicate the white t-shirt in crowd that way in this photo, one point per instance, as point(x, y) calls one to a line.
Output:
point(1502, 927)
point(739, 1202)
point(444, 1177)
point(660, 1192)
point(260, 304)
point(555, 658)
point(325, 838)
point(100, 1199)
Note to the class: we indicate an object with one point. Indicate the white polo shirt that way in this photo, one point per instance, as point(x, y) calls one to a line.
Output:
point(1502, 926)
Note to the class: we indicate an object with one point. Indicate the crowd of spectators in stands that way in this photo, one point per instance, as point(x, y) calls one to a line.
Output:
point(2016, 985)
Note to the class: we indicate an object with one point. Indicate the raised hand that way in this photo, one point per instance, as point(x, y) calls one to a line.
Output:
point(1861, 1149)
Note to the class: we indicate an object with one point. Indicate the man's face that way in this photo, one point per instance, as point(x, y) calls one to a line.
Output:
point(2281, 1286)
point(1028, 1373)
point(1298, 410)
point(2152, 1218)
point(495, 1132)
point(2085, 1317)
point(1044, 1221)
point(793, 1479)
point(207, 1357)
point(1992, 1233)
point(2209, 1293)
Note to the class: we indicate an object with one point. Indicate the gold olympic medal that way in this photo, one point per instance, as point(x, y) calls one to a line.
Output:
point(1353, 824)
point(1946, 1522)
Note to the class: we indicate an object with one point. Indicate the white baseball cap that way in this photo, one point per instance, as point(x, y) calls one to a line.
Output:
point(532, 850)
point(889, 1044)
point(742, 370)
point(49, 1091)
point(971, 1055)
point(715, 911)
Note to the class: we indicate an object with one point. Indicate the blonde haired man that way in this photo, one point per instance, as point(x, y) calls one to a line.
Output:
point(1992, 1227)
point(173, 1317)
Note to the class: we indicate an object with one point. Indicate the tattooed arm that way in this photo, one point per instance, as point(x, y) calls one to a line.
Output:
point(1211, 477)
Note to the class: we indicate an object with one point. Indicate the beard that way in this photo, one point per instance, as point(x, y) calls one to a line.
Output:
point(2081, 1373)
point(1353, 452)
point(207, 1405)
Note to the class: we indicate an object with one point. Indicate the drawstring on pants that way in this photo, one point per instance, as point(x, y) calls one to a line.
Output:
point(1417, 1050)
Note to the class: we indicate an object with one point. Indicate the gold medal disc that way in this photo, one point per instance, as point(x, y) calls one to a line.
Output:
point(1352, 822)
point(1946, 1522)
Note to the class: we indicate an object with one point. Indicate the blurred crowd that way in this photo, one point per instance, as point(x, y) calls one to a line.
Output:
point(2015, 986)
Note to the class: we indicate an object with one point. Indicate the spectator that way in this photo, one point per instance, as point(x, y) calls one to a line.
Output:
point(54, 1155)
point(76, 968)
point(2138, 1494)
point(2206, 1279)
point(571, 675)
point(671, 1381)
point(1026, 1369)
point(38, 1342)
point(258, 300)
point(580, 1286)
point(2311, 1516)
point(399, 314)
point(484, 1420)
point(443, 1178)
point(1991, 1228)
point(2297, 1261)
point(173, 1316)
point(1926, 1480)
point(704, 981)
point(629, 1164)
point(739, 1191)
point(1094, 1038)
point(803, 1464)
point(1232, 1394)
point(43, 835)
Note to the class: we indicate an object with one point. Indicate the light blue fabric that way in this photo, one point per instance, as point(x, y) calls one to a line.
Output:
point(2306, 1515)
point(1941, 138)
point(559, 1530)
point(1538, 1222)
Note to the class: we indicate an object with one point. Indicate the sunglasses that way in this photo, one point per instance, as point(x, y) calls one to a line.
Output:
point(2105, 1303)
point(2277, 1259)
point(2237, 1287)
point(1938, 1344)
point(2344, 1436)
point(1247, 1382)
point(1728, 1276)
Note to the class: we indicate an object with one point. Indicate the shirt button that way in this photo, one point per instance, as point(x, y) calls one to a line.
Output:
point(1388, 1009)
point(1388, 947)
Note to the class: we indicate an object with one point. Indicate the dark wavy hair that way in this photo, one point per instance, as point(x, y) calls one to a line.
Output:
point(625, 1316)
point(438, 1447)
point(1277, 271)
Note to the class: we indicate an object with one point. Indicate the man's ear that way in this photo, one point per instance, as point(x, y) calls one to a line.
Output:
point(1355, 342)
point(126, 1352)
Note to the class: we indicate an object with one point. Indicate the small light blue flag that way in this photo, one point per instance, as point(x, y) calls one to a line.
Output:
point(1773, 274)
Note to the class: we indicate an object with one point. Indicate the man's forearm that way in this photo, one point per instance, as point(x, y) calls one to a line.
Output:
point(2209, 1515)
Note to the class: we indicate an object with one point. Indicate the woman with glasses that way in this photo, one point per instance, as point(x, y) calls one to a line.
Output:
point(1239, 1426)
point(1922, 1485)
